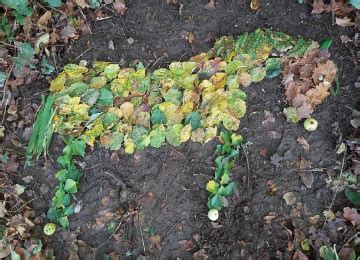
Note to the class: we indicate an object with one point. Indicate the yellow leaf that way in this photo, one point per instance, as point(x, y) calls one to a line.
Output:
point(58, 84)
point(185, 133)
point(219, 80)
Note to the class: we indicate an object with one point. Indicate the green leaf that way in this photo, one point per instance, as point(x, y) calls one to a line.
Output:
point(46, 67)
point(157, 117)
point(325, 44)
point(140, 136)
point(70, 186)
point(115, 141)
point(62, 175)
point(90, 96)
point(353, 196)
point(215, 202)
point(227, 190)
point(54, 3)
point(51, 214)
point(66, 200)
point(257, 74)
point(291, 115)
point(173, 134)
point(64, 222)
point(106, 98)
point(157, 136)
point(68, 211)
point(194, 119)
point(26, 53)
point(173, 95)
point(273, 67)
point(58, 198)
point(78, 147)
point(224, 179)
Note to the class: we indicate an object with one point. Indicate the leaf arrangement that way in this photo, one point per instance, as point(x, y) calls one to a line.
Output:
point(222, 186)
point(130, 108)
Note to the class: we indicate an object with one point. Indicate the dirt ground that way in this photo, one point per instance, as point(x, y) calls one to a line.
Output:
point(141, 206)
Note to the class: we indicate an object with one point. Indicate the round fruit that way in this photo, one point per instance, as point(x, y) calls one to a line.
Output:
point(213, 214)
point(49, 229)
point(310, 124)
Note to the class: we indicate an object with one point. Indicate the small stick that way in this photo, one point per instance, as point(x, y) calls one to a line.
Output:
point(142, 237)
point(87, 25)
point(333, 11)
point(81, 55)
point(4, 92)
point(338, 185)
point(247, 164)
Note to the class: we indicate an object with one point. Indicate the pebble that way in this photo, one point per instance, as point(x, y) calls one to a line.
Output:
point(246, 209)
point(130, 41)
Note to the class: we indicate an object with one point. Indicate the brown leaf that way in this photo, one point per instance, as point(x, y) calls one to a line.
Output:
point(307, 178)
point(269, 118)
point(346, 253)
point(324, 71)
point(352, 215)
point(120, 8)
point(299, 255)
point(81, 3)
point(186, 245)
point(11, 165)
point(318, 7)
point(244, 79)
point(211, 5)
point(270, 216)
point(191, 37)
point(318, 94)
point(344, 22)
point(200, 255)
point(146, 199)
point(155, 241)
point(303, 143)
point(68, 32)
point(44, 19)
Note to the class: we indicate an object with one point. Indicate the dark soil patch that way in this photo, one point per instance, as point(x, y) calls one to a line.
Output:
point(161, 191)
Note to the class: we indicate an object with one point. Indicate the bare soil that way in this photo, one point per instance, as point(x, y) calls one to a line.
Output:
point(129, 202)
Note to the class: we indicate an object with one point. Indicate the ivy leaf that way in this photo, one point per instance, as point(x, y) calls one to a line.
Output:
point(227, 190)
point(273, 67)
point(70, 186)
point(26, 53)
point(54, 3)
point(64, 222)
point(68, 211)
point(215, 202)
point(353, 196)
point(58, 198)
point(66, 200)
point(62, 175)
point(194, 119)
point(46, 67)
point(78, 147)
point(51, 214)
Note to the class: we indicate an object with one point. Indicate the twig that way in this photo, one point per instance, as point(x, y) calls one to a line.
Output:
point(4, 92)
point(81, 54)
point(57, 10)
point(116, 229)
point(333, 11)
point(310, 170)
point(122, 29)
point(247, 163)
point(141, 233)
point(87, 25)
point(338, 185)
point(8, 44)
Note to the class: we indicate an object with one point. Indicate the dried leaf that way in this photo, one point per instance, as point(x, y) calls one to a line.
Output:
point(155, 241)
point(344, 22)
point(44, 19)
point(186, 245)
point(289, 198)
point(303, 143)
point(120, 8)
